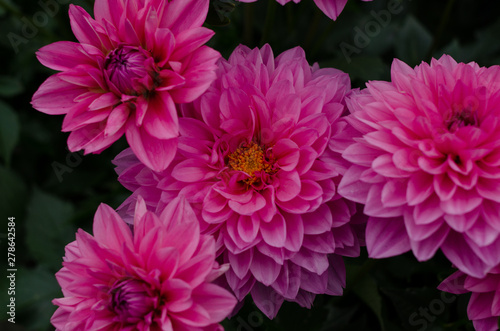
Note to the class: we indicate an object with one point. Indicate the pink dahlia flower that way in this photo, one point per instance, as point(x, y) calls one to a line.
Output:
point(255, 161)
point(156, 277)
point(484, 305)
point(134, 62)
point(331, 8)
point(426, 162)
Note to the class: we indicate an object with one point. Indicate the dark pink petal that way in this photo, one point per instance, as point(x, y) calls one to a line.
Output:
point(461, 255)
point(264, 269)
point(179, 15)
point(289, 186)
point(218, 302)
point(63, 55)
point(160, 120)
point(426, 248)
point(110, 230)
point(274, 232)
point(55, 96)
point(154, 153)
point(267, 300)
point(240, 263)
point(84, 27)
point(420, 187)
point(386, 237)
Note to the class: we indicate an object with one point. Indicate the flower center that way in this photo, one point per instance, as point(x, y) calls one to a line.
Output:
point(462, 118)
point(251, 159)
point(131, 300)
point(128, 69)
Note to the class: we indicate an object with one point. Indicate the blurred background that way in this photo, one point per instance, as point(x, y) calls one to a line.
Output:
point(52, 192)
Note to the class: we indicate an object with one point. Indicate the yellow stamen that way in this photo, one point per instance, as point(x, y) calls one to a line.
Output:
point(250, 159)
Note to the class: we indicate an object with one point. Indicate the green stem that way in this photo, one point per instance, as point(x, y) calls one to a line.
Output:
point(313, 29)
point(268, 24)
point(442, 25)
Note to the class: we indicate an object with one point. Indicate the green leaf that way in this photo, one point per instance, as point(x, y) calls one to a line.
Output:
point(35, 290)
point(413, 42)
point(366, 288)
point(360, 68)
point(10, 86)
point(13, 193)
point(48, 228)
point(9, 131)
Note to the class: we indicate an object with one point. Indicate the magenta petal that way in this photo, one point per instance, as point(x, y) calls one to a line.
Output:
point(182, 15)
point(240, 263)
point(154, 153)
point(274, 232)
point(331, 8)
point(264, 269)
point(63, 55)
point(460, 254)
point(386, 237)
point(160, 120)
point(109, 229)
point(218, 302)
point(55, 96)
point(267, 300)
point(426, 248)
point(454, 283)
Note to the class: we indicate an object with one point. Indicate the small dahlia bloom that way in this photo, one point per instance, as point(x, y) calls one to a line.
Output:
point(426, 162)
point(484, 305)
point(156, 277)
point(134, 62)
point(331, 8)
point(256, 162)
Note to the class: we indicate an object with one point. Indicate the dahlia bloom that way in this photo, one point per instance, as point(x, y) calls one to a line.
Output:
point(134, 62)
point(254, 160)
point(426, 162)
point(331, 8)
point(484, 307)
point(157, 277)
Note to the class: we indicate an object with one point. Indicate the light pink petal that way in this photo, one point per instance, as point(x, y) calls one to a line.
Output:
point(218, 302)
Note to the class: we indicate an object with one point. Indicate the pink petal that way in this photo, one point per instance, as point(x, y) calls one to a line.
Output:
point(154, 153)
point(386, 237)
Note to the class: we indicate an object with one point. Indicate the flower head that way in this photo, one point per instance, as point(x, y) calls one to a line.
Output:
point(134, 62)
point(426, 162)
point(484, 308)
point(157, 276)
point(331, 8)
point(255, 160)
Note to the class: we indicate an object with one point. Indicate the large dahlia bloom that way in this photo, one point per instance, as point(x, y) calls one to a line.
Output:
point(331, 8)
point(255, 161)
point(484, 304)
point(426, 162)
point(156, 277)
point(132, 64)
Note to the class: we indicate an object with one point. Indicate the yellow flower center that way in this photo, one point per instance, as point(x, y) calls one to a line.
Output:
point(251, 159)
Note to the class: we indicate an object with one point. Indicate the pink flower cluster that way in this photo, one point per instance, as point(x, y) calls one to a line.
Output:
point(255, 159)
point(281, 162)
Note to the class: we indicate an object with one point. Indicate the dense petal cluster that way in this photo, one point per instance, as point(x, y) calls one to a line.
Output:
point(255, 158)
point(132, 64)
point(426, 162)
point(484, 305)
point(331, 8)
point(157, 277)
